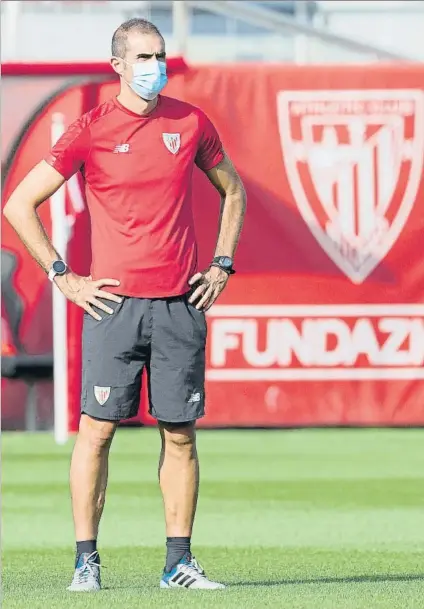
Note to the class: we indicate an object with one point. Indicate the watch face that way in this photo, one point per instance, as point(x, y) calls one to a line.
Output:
point(225, 262)
point(59, 267)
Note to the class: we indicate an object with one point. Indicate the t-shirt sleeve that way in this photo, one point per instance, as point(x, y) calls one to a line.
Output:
point(210, 151)
point(70, 151)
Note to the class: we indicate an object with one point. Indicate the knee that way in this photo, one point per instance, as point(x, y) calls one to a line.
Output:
point(179, 440)
point(96, 434)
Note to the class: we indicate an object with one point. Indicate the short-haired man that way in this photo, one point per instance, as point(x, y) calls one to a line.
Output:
point(144, 301)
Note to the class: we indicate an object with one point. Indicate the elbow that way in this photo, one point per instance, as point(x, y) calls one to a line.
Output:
point(12, 212)
point(7, 210)
point(239, 187)
point(241, 195)
point(237, 192)
point(236, 199)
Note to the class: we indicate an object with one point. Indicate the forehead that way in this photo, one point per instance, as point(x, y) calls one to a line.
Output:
point(139, 43)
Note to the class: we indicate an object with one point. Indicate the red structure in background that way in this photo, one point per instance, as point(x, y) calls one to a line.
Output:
point(61, 69)
point(323, 324)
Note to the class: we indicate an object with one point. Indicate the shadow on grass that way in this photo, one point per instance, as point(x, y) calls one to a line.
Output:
point(384, 577)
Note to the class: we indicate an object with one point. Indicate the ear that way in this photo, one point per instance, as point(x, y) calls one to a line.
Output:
point(117, 66)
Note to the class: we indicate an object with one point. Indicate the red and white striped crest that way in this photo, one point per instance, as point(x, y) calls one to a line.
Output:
point(101, 394)
point(354, 162)
point(172, 141)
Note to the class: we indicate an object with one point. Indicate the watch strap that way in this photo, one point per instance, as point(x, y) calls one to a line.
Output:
point(230, 271)
point(51, 274)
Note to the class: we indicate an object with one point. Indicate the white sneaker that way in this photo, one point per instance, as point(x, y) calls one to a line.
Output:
point(188, 574)
point(87, 574)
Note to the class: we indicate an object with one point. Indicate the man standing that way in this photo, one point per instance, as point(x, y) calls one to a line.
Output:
point(137, 153)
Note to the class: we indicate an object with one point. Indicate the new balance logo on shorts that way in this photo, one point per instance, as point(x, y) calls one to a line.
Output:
point(195, 397)
point(121, 148)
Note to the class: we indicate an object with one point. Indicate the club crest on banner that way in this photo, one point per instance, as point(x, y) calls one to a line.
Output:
point(354, 161)
point(172, 141)
point(101, 394)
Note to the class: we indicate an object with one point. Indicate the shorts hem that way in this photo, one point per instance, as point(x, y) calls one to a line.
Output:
point(179, 420)
point(105, 417)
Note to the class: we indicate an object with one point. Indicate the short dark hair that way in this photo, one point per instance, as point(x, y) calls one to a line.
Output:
point(119, 38)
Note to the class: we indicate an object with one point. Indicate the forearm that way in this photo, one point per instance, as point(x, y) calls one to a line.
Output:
point(21, 211)
point(233, 209)
point(30, 230)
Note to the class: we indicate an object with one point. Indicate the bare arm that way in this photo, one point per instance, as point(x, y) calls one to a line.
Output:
point(233, 208)
point(21, 211)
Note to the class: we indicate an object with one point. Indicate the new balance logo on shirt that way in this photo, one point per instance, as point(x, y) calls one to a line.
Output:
point(121, 148)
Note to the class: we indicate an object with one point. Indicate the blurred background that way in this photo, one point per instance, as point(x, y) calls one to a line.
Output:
point(218, 31)
point(320, 105)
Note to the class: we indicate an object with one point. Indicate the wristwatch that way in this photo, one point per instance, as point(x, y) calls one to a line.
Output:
point(58, 268)
point(225, 263)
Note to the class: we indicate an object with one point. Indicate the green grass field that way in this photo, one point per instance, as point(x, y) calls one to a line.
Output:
point(322, 519)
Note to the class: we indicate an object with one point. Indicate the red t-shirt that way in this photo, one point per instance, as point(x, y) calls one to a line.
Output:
point(138, 172)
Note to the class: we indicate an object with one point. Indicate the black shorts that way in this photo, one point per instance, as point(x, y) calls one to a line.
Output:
point(165, 335)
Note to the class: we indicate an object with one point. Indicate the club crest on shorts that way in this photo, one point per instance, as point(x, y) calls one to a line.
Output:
point(172, 141)
point(354, 161)
point(101, 394)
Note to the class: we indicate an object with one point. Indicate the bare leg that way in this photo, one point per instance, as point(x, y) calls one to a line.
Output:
point(179, 477)
point(88, 478)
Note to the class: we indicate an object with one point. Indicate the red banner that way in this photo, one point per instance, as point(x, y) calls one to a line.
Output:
point(323, 324)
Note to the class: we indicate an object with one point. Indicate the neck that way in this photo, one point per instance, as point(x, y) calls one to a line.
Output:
point(135, 103)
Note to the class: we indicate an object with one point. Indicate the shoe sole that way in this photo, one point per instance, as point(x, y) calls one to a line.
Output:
point(163, 585)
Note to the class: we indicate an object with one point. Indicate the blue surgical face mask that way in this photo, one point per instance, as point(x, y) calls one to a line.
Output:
point(149, 78)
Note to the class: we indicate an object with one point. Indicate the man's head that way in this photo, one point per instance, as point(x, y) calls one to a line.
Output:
point(137, 46)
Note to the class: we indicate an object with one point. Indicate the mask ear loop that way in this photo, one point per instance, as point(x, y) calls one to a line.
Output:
point(120, 75)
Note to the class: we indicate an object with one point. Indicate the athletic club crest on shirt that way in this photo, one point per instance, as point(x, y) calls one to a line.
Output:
point(354, 160)
point(172, 141)
point(101, 394)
